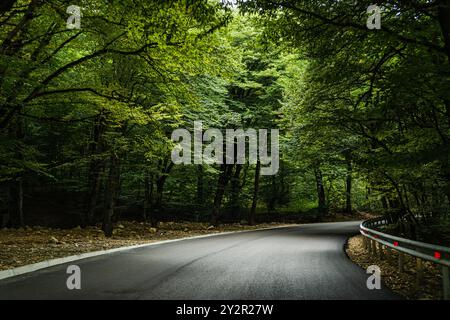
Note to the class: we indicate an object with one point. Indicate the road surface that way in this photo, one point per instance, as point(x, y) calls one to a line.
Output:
point(298, 262)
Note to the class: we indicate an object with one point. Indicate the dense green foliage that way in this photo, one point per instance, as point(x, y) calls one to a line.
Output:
point(374, 102)
point(86, 115)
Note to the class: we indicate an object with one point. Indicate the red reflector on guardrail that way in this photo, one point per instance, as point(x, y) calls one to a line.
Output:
point(437, 255)
point(395, 243)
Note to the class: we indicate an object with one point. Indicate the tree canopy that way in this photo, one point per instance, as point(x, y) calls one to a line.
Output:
point(86, 115)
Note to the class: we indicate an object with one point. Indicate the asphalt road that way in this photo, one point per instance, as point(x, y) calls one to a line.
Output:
point(299, 262)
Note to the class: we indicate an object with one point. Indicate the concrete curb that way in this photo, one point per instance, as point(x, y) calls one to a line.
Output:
point(5, 274)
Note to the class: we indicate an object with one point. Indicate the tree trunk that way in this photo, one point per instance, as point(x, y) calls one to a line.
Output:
point(224, 177)
point(444, 22)
point(17, 189)
point(323, 211)
point(157, 207)
point(6, 215)
point(348, 189)
point(20, 202)
point(148, 195)
point(93, 195)
point(235, 193)
point(95, 170)
point(274, 195)
point(200, 185)
point(384, 203)
point(255, 194)
point(15, 215)
point(284, 196)
point(111, 192)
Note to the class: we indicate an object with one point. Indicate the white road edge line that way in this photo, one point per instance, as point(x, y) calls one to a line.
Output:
point(54, 262)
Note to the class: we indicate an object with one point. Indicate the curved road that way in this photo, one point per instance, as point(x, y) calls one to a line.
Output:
point(298, 262)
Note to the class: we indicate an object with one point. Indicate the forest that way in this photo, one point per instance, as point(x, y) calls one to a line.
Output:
point(87, 111)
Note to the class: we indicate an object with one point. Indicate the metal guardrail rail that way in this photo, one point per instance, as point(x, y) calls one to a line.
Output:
point(422, 251)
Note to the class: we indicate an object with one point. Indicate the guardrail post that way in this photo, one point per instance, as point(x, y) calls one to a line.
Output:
point(374, 247)
point(419, 273)
point(400, 262)
point(446, 282)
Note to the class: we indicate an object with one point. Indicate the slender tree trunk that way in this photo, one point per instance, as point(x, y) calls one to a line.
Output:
point(95, 170)
point(111, 192)
point(384, 203)
point(15, 216)
point(323, 211)
point(224, 177)
point(93, 195)
point(17, 190)
point(117, 190)
point(157, 207)
point(148, 197)
point(273, 198)
point(348, 189)
point(235, 192)
point(252, 216)
point(444, 22)
point(284, 196)
point(6, 216)
point(200, 185)
point(20, 202)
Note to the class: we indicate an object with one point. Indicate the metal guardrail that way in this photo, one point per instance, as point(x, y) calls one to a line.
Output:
point(422, 251)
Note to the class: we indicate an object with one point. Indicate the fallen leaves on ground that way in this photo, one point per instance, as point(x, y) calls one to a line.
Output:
point(405, 283)
point(29, 245)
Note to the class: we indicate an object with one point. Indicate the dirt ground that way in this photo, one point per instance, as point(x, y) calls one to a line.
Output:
point(406, 283)
point(29, 245)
